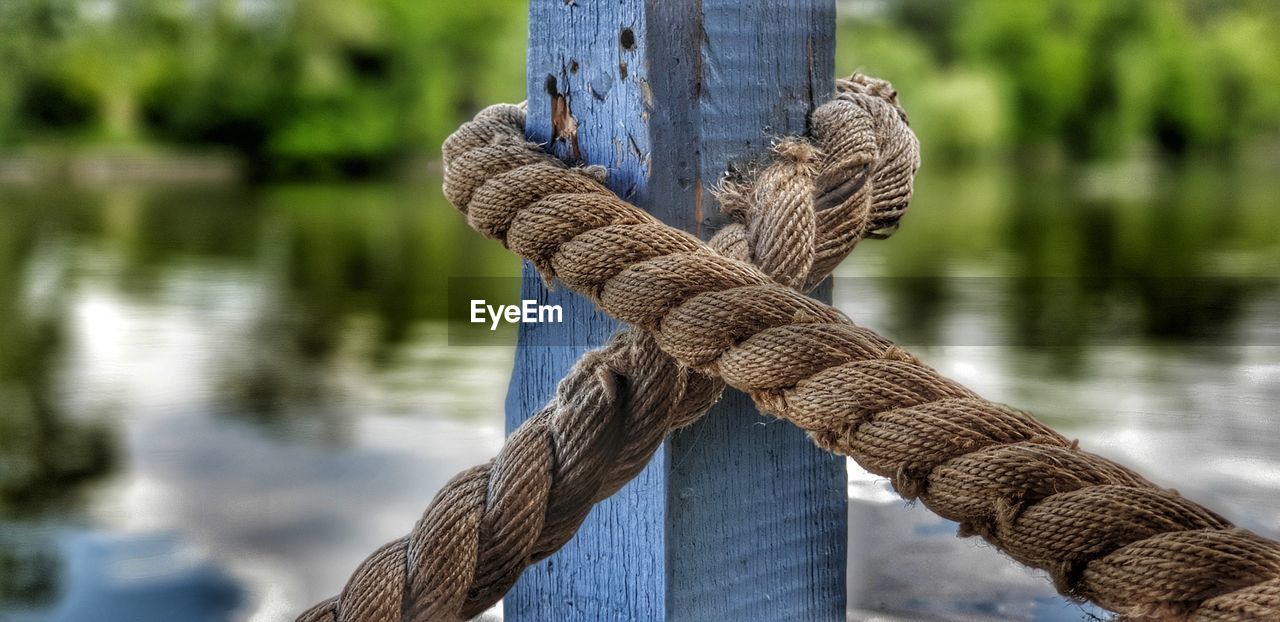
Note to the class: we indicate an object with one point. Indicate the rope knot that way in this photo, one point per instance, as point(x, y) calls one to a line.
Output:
point(863, 84)
point(851, 178)
point(1102, 531)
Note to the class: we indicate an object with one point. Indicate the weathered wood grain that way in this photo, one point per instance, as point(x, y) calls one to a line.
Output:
point(739, 516)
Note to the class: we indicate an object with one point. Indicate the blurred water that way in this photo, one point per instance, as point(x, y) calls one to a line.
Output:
point(263, 405)
point(215, 400)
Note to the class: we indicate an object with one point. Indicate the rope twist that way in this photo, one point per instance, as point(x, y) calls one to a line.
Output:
point(1101, 531)
point(796, 220)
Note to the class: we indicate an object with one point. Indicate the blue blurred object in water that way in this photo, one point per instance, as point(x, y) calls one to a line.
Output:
point(143, 578)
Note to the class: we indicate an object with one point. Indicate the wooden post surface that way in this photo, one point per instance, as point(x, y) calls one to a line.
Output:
point(739, 516)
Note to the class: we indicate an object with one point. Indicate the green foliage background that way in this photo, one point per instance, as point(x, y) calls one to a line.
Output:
point(299, 88)
point(353, 87)
point(1082, 78)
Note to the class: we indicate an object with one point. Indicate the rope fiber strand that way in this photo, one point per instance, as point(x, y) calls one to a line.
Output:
point(796, 219)
point(1101, 531)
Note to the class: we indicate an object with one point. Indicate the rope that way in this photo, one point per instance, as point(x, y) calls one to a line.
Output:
point(796, 220)
point(1101, 531)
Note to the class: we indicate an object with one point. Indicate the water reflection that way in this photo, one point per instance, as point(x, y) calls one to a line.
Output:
point(215, 400)
point(1176, 254)
point(46, 455)
point(1016, 287)
point(192, 376)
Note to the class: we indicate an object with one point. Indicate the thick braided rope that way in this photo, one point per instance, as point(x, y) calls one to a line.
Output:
point(796, 219)
point(1101, 531)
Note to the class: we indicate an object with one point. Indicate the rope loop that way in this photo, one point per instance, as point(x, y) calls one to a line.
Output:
point(701, 319)
point(614, 408)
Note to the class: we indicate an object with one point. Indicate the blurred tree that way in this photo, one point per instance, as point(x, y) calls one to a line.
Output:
point(1093, 78)
point(300, 88)
point(330, 86)
point(352, 87)
point(28, 29)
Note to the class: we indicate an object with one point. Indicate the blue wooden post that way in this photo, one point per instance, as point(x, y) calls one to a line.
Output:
point(738, 517)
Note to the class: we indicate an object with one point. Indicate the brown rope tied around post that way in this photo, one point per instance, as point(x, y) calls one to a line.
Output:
point(796, 219)
point(1101, 531)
